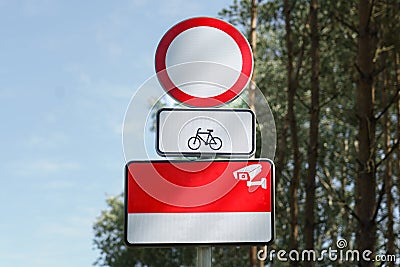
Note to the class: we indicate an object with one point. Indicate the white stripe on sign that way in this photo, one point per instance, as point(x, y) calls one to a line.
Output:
point(202, 131)
point(198, 228)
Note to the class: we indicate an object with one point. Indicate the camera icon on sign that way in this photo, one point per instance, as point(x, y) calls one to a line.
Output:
point(249, 174)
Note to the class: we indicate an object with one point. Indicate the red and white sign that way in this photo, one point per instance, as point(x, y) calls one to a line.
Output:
point(204, 62)
point(199, 202)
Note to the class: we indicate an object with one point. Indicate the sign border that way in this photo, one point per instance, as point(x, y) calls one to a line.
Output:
point(153, 245)
point(198, 154)
point(218, 100)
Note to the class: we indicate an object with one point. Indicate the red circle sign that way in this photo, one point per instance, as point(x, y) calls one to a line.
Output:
point(204, 42)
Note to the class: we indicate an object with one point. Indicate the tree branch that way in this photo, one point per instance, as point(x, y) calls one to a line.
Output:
point(380, 198)
point(302, 102)
point(387, 155)
point(371, 8)
point(339, 197)
point(331, 99)
point(299, 61)
point(382, 219)
point(391, 102)
point(345, 23)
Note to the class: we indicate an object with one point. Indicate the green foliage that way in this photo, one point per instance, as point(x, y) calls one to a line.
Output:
point(230, 256)
point(108, 239)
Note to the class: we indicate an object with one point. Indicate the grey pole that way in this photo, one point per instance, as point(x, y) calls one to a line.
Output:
point(204, 256)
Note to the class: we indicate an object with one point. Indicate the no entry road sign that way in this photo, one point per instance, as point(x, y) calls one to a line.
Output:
point(205, 131)
point(212, 62)
point(200, 202)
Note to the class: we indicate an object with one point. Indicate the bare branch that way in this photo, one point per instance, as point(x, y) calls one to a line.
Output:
point(382, 219)
point(345, 23)
point(371, 9)
point(338, 197)
point(391, 102)
point(380, 198)
point(299, 61)
point(387, 155)
point(331, 99)
point(302, 102)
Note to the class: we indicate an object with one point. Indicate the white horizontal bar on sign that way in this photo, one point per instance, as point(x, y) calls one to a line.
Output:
point(199, 228)
point(198, 131)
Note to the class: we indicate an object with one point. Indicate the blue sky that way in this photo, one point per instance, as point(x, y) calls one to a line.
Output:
point(67, 72)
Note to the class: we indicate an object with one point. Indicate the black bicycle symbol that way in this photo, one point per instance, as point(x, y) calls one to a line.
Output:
point(214, 142)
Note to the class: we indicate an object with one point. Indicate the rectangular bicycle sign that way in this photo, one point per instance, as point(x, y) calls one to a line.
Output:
point(205, 131)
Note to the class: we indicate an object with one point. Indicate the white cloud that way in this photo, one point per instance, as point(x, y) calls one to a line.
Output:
point(69, 228)
point(54, 239)
point(39, 7)
point(60, 184)
point(177, 8)
point(110, 33)
point(46, 166)
point(139, 3)
point(79, 72)
point(8, 93)
point(3, 3)
point(85, 78)
point(123, 92)
point(48, 141)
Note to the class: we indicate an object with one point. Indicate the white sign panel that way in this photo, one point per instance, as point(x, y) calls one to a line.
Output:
point(205, 131)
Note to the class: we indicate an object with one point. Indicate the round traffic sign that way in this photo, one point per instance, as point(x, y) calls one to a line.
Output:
point(212, 60)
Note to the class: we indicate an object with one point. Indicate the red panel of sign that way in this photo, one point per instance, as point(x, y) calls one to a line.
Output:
point(199, 202)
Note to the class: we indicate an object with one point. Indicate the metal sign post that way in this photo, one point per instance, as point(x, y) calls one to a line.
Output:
point(204, 258)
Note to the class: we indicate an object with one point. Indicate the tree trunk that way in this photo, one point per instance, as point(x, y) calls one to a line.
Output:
point(365, 184)
point(253, 44)
point(292, 87)
point(388, 173)
point(313, 132)
point(397, 73)
point(252, 93)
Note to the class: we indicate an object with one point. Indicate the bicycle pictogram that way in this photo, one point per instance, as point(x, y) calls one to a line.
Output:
point(194, 142)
